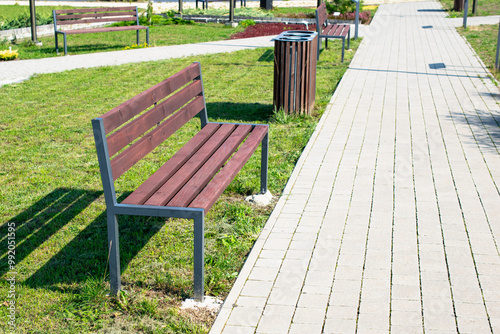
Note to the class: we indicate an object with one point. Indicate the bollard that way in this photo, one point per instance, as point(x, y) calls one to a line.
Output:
point(356, 20)
point(497, 64)
point(466, 10)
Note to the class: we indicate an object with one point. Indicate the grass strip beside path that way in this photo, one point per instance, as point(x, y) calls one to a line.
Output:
point(483, 39)
point(51, 192)
point(484, 8)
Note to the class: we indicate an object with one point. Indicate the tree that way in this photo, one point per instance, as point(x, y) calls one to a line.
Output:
point(458, 5)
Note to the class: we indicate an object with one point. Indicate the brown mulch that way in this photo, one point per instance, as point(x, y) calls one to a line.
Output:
point(269, 29)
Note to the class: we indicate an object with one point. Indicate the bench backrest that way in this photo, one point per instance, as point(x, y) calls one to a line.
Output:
point(95, 15)
point(137, 126)
point(321, 17)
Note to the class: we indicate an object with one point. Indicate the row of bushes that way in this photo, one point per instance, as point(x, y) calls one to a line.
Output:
point(24, 21)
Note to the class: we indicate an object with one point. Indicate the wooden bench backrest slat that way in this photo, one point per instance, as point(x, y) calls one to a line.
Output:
point(118, 116)
point(209, 195)
point(186, 195)
point(126, 159)
point(184, 174)
point(94, 9)
point(88, 21)
point(62, 18)
point(166, 171)
point(140, 125)
point(321, 15)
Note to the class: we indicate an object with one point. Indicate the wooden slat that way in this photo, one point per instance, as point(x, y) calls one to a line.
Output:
point(184, 197)
point(94, 9)
point(129, 109)
point(88, 21)
point(123, 161)
point(209, 195)
point(93, 15)
point(321, 14)
point(184, 174)
point(97, 30)
point(134, 129)
point(165, 172)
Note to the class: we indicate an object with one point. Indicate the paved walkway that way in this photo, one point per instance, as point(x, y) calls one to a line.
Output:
point(390, 221)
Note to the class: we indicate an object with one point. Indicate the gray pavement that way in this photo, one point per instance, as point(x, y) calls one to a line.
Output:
point(390, 221)
point(17, 71)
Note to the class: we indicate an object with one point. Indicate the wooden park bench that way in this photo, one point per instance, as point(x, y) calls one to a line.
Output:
point(64, 17)
point(191, 181)
point(326, 31)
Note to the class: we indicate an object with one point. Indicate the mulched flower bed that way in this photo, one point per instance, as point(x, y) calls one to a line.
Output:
point(269, 29)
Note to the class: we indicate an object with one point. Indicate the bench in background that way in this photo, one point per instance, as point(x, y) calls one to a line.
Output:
point(326, 31)
point(64, 17)
point(191, 181)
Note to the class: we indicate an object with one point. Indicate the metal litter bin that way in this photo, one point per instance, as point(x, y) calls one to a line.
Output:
point(295, 54)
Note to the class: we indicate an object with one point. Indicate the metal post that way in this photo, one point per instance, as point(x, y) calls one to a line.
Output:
point(231, 11)
point(264, 164)
point(474, 7)
point(466, 10)
point(356, 21)
point(497, 64)
point(199, 260)
point(33, 21)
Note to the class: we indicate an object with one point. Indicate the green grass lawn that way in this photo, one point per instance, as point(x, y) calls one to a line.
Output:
point(52, 194)
point(484, 8)
point(483, 39)
point(112, 41)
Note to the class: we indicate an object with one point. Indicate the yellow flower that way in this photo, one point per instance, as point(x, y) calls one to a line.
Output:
point(8, 54)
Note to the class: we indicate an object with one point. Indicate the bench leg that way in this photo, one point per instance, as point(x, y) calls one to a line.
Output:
point(199, 258)
point(343, 49)
point(147, 36)
point(65, 45)
point(137, 36)
point(57, 46)
point(114, 253)
point(264, 164)
point(349, 40)
point(319, 47)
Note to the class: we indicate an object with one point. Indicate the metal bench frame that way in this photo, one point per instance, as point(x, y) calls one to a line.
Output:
point(126, 113)
point(95, 15)
point(243, 3)
point(326, 31)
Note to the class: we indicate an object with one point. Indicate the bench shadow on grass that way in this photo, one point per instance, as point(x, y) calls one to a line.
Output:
point(83, 257)
point(240, 112)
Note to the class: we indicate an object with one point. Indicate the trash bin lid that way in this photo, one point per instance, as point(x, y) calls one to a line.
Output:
point(296, 36)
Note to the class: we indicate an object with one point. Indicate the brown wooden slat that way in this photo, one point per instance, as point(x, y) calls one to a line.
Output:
point(94, 15)
point(184, 174)
point(123, 161)
point(96, 30)
point(209, 195)
point(184, 197)
point(94, 9)
point(135, 128)
point(88, 21)
point(129, 109)
point(165, 172)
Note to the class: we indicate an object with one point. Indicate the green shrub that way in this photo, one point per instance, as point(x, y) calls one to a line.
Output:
point(23, 21)
point(342, 6)
point(247, 23)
